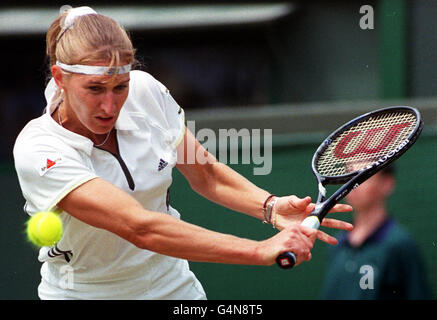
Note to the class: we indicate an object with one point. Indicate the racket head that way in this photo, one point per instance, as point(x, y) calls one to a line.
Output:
point(382, 136)
point(367, 143)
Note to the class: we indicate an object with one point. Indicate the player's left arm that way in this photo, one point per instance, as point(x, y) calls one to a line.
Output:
point(222, 185)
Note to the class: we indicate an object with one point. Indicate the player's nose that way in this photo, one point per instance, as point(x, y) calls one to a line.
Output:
point(108, 104)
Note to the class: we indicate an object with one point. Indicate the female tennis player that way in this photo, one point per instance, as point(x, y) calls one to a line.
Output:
point(102, 156)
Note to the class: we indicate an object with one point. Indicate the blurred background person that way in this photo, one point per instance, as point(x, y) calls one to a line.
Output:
point(378, 259)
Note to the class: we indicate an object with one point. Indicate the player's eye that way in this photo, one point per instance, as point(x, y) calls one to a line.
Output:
point(120, 88)
point(94, 89)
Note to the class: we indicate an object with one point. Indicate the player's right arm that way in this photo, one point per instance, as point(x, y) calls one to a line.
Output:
point(102, 205)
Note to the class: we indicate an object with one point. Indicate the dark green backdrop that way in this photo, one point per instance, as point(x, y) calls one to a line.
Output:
point(412, 204)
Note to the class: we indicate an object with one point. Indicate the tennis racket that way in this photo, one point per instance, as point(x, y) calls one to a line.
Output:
point(353, 153)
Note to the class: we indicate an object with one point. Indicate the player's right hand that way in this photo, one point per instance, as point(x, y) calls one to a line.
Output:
point(295, 238)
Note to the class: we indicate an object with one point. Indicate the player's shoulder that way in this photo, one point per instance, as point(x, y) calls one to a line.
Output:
point(146, 94)
point(32, 132)
point(143, 79)
point(35, 137)
point(137, 76)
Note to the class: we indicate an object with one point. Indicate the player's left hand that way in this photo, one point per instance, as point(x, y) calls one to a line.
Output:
point(292, 209)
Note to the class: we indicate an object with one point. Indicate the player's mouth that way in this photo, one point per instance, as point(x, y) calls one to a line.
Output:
point(105, 120)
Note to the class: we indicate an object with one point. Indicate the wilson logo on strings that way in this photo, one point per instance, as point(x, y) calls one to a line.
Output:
point(366, 141)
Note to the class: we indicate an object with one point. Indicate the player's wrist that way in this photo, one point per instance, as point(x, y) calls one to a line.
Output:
point(263, 253)
point(269, 212)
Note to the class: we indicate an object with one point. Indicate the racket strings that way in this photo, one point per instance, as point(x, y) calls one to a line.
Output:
point(365, 143)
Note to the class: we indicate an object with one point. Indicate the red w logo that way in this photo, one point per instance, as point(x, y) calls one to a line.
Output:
point(363, 146)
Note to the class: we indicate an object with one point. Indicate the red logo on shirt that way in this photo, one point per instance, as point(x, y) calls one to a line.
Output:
point(47, 164)
point(50, 163)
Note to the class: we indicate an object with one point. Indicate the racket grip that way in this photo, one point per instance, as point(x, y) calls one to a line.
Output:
point(287, 260)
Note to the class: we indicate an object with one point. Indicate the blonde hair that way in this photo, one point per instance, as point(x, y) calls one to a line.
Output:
point(92, 38)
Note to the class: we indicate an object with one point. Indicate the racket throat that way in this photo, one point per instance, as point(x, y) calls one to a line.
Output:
point(322, 192)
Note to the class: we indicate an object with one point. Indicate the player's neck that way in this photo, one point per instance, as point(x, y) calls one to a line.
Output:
point(365, 223)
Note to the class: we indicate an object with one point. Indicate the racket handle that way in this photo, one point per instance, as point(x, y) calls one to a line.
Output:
point(287, 260)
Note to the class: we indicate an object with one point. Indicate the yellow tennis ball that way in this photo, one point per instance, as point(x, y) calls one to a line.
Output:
point(44, 228)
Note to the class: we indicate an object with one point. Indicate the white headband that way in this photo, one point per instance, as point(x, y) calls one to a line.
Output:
point(94, 70)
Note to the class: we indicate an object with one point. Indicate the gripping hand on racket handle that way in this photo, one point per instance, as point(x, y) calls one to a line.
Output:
point(294, 238)
point(287, 260)
point(292, 218)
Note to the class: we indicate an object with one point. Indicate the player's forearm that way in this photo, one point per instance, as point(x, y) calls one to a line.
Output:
point(166, 235)
point(228, 188)
point(218, 182)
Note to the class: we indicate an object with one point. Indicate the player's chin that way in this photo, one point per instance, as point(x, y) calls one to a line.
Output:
point(102, 126)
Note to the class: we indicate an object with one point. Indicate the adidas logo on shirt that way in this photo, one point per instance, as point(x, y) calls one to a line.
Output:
point(162, 164)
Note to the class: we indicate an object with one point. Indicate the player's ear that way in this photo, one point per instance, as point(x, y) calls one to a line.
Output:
point(58, 76)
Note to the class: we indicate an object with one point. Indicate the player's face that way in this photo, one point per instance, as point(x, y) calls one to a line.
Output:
point(95, 101)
